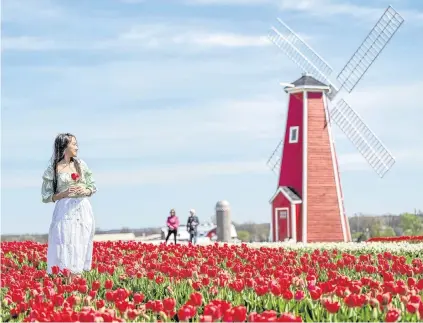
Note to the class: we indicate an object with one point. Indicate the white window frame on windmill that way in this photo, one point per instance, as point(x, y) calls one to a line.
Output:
point(294, 130)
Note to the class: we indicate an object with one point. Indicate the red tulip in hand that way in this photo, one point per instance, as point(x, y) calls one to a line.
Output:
point(75, 176)
point(76, 189)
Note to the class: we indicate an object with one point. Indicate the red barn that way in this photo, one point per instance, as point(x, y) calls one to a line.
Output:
point(307, 205)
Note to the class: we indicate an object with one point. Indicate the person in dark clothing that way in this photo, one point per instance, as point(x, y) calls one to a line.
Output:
point(192, 225)
point(172, 224)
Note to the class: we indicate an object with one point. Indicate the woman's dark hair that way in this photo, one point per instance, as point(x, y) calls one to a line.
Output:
point(60, 144)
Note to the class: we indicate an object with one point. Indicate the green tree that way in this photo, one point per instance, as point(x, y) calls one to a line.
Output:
point(411, 224)
point(387, 232)
point(244, 236)
point(375, 228)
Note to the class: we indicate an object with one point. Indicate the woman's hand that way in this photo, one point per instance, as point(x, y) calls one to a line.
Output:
point(79, 190)
point(61, 195)
point(65, 193)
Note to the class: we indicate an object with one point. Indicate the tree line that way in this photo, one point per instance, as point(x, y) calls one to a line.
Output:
point(362, 227)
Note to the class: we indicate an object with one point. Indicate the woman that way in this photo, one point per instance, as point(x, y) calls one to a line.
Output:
point(68, 182)
point(172, 224)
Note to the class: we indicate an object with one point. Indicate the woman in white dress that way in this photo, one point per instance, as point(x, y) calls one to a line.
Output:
point(68, 182)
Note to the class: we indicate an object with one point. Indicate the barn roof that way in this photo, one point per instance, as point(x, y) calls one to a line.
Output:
point(289, 193)
point(307, 80)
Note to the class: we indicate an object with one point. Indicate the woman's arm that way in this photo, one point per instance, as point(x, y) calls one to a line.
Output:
point(47, 191)
point(47, 186)
point(59, 196)
point(89, 179)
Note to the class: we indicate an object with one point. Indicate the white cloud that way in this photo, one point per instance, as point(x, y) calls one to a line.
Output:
point(386, 108)
point(391, 113)
point(158, 174)
point(132, 1)
point(25, 43)
point(325, 8)
point(320, 8)
point(142, 37)
point(198, 126)
point(228, 2)
point(328, 8)
point(222, 39)
point(22, 11)
point(224, 126)
point(189, 33)
point(175, 172)
point(230, 129)
point(356, 162)
point(374, 99)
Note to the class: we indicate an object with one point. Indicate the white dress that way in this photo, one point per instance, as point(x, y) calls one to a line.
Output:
point(70, 238)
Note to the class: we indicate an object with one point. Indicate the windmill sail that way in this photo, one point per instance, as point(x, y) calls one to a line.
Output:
point(342, 114)
point(304, 48)
point(369, 50)
point(300, 52)
point(274, 160)
point(366, 142)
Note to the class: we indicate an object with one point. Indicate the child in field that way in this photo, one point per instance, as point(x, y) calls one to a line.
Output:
point(172, 224)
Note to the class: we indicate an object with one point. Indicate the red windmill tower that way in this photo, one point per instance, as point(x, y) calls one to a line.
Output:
point(308, 204)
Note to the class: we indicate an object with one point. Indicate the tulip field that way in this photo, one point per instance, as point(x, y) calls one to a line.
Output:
point(280, 282)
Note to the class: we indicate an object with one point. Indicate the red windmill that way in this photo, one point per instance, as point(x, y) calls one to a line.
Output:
point(308, 204)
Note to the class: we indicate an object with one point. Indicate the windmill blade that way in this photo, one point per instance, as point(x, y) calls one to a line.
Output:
point(304, 48)
point(274, 160)
point(370, 48)
point(366, 142)
point(300, 52)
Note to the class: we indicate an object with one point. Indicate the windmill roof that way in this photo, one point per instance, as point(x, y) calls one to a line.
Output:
point(308, 80)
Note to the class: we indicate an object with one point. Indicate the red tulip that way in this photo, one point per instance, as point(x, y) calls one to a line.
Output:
point(95, 285)
point(110, 296)
point(196, 299)
point(186, 312)
point(287, 295)
point(332, 307)
point(239, 313)
point(299, 295)
point(138, 298)
point(108, 284)
point(392, 315)
point(169, 304)
point(206, 318)
point(315, 293)
point(100, 303)
point(128, 269)
point(214, 311)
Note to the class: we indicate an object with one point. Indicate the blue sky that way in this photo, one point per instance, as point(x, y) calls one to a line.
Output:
point(177, 104)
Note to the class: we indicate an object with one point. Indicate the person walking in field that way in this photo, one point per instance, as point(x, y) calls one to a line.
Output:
point(172, 225)
point(192, 225)
point(68, 182)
